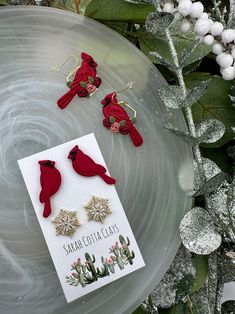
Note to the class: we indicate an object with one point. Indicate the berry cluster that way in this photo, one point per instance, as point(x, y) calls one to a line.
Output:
point(211, 33)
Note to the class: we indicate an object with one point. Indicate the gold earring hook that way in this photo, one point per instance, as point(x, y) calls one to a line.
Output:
point(129, 86)
point(57, 67)
point(125, 104)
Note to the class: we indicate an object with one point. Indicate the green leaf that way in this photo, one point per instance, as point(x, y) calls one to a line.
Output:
point(201, 264)
point(214, 104)
point(117, 10)
point(68, 5)
point(83, 84)
point(182, 42)
point(195, 94)
point(91, 79)
point(158, 21)
point(112, 119)
point(122, 122)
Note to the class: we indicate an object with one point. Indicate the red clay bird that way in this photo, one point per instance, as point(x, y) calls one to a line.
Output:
point(117, 119)
point(84, 83)
point(50, 180)
point(85, 166)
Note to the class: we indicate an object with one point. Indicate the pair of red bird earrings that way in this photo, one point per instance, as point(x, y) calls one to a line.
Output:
point(85, 82)
point(50, 178)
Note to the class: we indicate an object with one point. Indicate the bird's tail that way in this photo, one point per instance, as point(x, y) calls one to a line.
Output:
point(65, 99)
point(47, 208)
point(136, 137)
point(107, 178)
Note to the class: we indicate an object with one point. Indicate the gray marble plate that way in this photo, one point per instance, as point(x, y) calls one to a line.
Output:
point(32, 40)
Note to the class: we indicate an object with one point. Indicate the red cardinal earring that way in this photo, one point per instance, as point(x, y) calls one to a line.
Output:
point(50, 180)
point(85, 81)
point(117, 120)
point(85, 166)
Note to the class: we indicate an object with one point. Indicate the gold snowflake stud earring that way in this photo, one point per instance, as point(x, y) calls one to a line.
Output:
point(97, 209)
point(66, 223)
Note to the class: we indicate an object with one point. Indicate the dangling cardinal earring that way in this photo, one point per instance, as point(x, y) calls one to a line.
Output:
point(85, 81)
point(117, 119)
point(50, 180)
point(85, 166)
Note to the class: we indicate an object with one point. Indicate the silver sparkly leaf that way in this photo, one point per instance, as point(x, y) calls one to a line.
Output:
point(210, 169)
point(212, 185)
point(172, 96)
point(158, 21)
point(195, 94)
point(172, 287)
point(183, 135)
point(198, 233)
point(159, 58)
point(209, 130)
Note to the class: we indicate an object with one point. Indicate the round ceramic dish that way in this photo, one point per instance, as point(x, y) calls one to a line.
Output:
point(32, 40)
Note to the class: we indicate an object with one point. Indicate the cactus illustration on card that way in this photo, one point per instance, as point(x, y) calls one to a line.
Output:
point(87, 272)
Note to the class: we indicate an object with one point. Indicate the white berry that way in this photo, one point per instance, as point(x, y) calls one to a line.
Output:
point(228, 73)
point(185, 26)
point(228, 36)
point(224, 59)
point(233, 52)
point(168, 7)
point(204, 16)
point(197, 10)
point(217, 48)
point(202, 26)
point(208, 40)
point(185, 7)
point(217, 28)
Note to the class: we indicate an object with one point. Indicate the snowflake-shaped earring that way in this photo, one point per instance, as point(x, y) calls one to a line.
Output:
point(66, 223)
point(98, 209)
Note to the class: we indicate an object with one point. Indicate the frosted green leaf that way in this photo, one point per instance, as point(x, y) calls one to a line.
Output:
point(198, 233)
point(172, 96)
point(209, 130)
point(158, 21)
point(184, 136)
point(195, 94)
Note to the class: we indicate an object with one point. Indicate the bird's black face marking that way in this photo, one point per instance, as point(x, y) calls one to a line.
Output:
point(73, 155)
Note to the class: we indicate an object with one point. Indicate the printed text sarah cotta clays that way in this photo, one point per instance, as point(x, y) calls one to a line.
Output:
point(90, 239)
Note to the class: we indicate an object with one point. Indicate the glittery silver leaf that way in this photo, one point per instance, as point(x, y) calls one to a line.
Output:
point(187, 52)
point(212, 185)
point(209, 130)
point(198, 233)
point(210, 169)
point(159, 58)
point(200, 302)
point(195, 94)
point(158, 21)
point(177, 282)
point(172, 96)
point(183, 135)
point(222, 212)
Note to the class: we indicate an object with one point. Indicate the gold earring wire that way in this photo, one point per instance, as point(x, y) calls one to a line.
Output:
point(129, 85)
point(57, 67)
